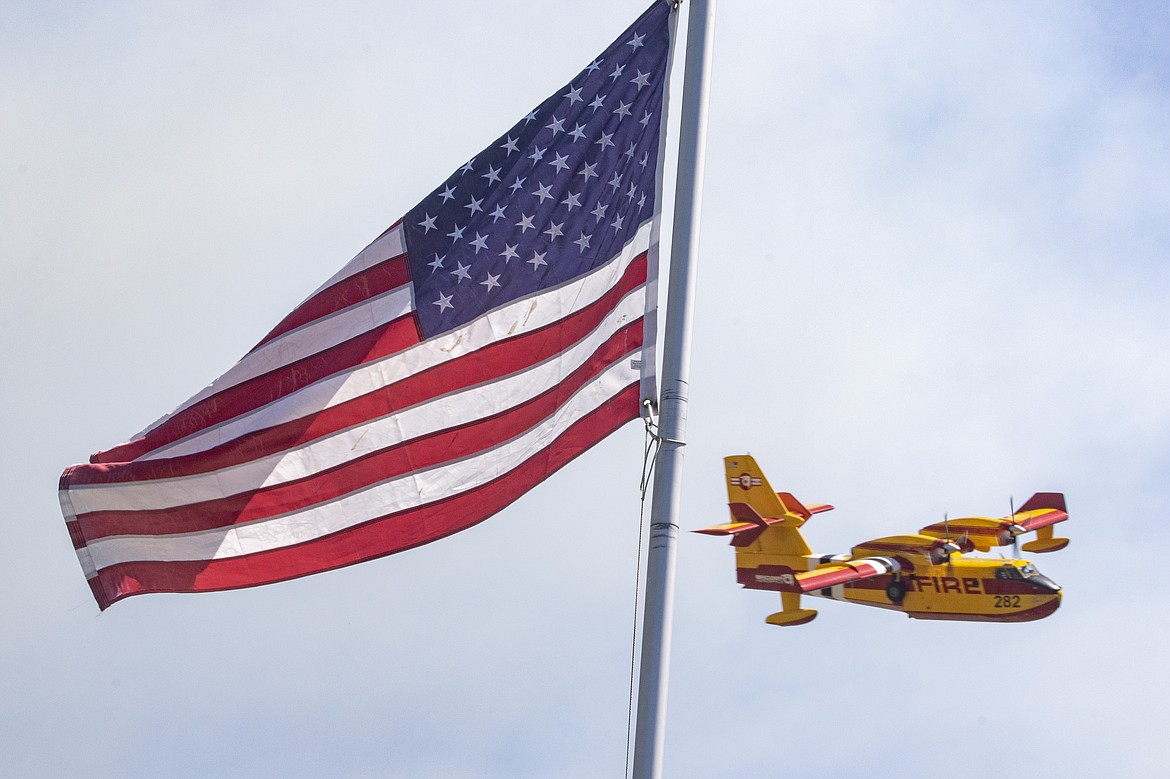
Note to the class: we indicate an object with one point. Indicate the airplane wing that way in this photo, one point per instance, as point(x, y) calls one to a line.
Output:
point(839, 573)
point(1034, 520)
point(983, 532)
point(1042, 510)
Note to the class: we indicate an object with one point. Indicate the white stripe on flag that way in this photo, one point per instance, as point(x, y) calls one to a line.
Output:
point(440, 413)
point(312, 338)
point(518, 317)
point(383, 248)
point(399, 494)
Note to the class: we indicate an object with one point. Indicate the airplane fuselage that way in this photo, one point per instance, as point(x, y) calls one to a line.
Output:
point(924, 575)
point(969, 589)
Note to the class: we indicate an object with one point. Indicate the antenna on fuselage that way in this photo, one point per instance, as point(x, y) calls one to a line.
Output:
point(949, 546)
point(1015, 535)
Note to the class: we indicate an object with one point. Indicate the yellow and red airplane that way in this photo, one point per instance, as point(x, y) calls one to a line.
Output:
point(923, 575)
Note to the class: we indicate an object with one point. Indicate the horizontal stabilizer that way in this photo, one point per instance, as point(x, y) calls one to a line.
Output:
point(729, 529)
point(743, 512)
point(794, 506)
point(749, 524)
point(742, 533)
point(759, 513)
point(747, 527)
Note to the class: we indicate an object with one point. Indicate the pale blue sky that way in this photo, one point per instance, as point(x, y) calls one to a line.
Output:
point(933, 277)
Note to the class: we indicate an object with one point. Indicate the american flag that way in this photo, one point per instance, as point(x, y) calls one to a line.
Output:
point(499, 329)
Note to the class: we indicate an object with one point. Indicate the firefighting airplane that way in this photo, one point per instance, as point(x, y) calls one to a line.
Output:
point(924, 575)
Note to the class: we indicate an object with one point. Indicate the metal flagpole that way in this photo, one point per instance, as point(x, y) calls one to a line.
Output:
point(672, 414)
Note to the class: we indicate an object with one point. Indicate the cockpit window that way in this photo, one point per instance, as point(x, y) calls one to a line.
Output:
point(1028, 570)
point(1008, 572)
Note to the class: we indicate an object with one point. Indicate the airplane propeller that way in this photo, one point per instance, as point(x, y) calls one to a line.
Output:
point(943, 548)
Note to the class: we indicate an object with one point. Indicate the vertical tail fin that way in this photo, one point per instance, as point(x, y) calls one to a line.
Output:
point(765, 531)
point(750, 495)
point(774, 519)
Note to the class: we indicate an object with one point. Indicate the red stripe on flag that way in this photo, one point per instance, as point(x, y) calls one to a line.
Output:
point(492, 362)
point(247, 396)
point(358, 473)
point(350, 291)
point(376, 538)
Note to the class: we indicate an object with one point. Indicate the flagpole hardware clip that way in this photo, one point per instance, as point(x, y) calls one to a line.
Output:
point(650, 419)
point(650, 414)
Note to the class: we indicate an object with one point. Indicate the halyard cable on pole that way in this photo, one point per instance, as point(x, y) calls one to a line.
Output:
point(652, 440)
point(649, 455)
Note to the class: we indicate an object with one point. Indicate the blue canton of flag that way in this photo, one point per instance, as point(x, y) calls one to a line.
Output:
point(553, 198)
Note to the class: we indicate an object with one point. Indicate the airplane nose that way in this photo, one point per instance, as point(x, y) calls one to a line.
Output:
point(1044, 583)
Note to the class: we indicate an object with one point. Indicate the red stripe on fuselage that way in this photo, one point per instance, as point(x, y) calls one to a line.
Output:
point(779, 578)
point(1026, 615)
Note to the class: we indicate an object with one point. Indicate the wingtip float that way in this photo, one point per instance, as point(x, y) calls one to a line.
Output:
point(924, 575)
